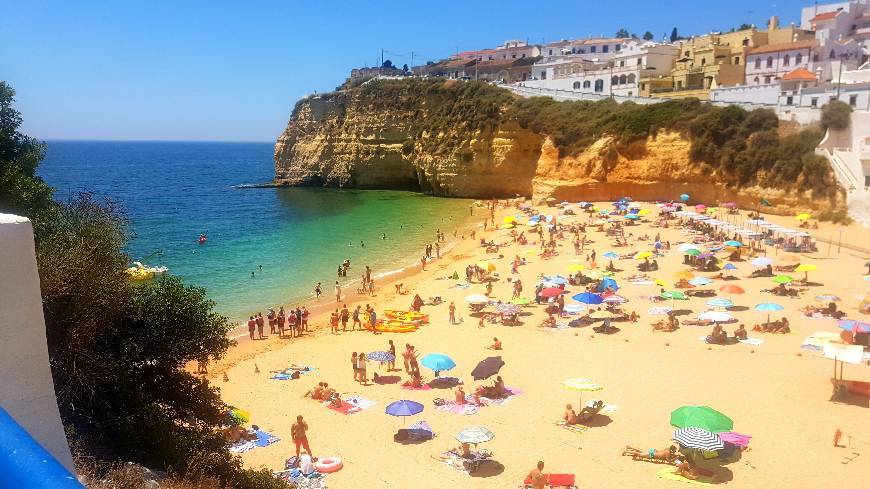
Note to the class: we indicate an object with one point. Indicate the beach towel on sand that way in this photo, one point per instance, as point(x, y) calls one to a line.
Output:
point(669, 473)
point(497, 402)
point(463, 409)
point(265, 439)
point(554, 480)
point(408, 387)
point(286, 375)
point(752, 341)
point(576, 428)
point(351, 405)
point(242, 447)
point(360, 402)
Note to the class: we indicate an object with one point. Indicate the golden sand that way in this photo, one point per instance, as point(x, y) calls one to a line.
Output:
point(776, 392)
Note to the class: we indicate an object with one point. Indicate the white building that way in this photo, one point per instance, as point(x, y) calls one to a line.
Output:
point(835, 21)
point(769, 63)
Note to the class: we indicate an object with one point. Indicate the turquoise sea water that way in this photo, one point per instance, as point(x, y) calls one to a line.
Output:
point(174, 191)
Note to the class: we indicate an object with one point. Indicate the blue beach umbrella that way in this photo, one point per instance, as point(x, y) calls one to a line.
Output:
point(729, 266)
point(684, 197)
point(437, 362)
point(852, 324)
point(607, 283)
point(768, 307)
point(735, 244)
point(558, 280)
point(611, 255)
point(700, 281)
point(720, 302)
point(404, 408)
point(632, 217)
point(588, 298)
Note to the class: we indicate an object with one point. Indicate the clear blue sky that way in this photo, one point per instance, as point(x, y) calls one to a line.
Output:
point(231, 71)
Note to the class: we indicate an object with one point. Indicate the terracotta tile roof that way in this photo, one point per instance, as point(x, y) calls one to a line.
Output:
point(783, 46)
point(825, 16)
point(799, 74)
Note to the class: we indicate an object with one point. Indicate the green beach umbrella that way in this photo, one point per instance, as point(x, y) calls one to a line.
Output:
point(674, 294)
point(521, 301)
point(693, 252)
point(701, 417)
point(783, 279)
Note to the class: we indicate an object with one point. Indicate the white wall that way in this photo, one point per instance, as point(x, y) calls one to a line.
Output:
point(26, 388)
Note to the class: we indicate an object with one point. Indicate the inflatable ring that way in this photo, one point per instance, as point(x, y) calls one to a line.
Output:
point(328, 465)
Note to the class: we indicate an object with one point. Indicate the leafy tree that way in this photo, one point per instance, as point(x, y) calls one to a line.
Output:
point(674, 36)
point(388, 64)
point(742, 27)
point(648, 36)
point(836, 115)
point(405, 68)
point(622, 33)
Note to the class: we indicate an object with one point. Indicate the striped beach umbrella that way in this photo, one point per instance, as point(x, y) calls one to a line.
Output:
point(698, 438)
point(475, 435)
point(720, 302)
point(381, 356)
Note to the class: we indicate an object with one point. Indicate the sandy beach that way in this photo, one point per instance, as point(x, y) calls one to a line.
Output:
point(776, 391)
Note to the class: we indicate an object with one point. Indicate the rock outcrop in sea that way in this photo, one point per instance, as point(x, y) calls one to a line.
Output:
point(404, 136)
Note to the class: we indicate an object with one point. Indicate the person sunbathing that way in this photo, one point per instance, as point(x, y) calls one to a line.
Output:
point(550, 322)
point(570, 417)
point(740, 333)
point(236, 434)
point(588, 412)
point(667, 455)
point(717, 336)
point(327, 392)
point(462, 451)
point(335, 401)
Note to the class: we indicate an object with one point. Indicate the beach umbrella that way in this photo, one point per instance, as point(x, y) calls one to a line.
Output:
point(611, 255)
point(698, 438)
point(477, 299)
point(730, 205)
point(806, 267)
point(803, 216)
point(783, 279)
point(734, 244)
point(661, 283)
point(437, 362)
point(601, 315)
point(674, 294)
point(715, 316)
point(761, 261)
point(659, 311)
point(731, 289)
point(574, 308)
point(474, 435)
point(684, 274)
point(688, 246)
point(828, 298)
point(581, 385)
point(607, 283)
point(552, 292)
point(700, 281)
point(521, 301)
point(854, 325)
point(720, 302)
point(703, 417)
point(381, 356)
point(575, 267)
point(487, 368)
point(768, 307)
point(643, 254)
point(729, 266)
point(643, 212)
point(684, 197)
point(558, 280)
point(693, 252)
point(508, 308)
point(632, 217)
point(704, 256)
point(239, 416)
point(509, 219)
point(588, 298)
point(486, 265)
point(615, 299)
point(404, 408)
point(604, 212)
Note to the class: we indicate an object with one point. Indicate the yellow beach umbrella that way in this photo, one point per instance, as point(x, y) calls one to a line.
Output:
point(509, 219)
point(643, 212)
point(575, 267)
point(582, 385)
point(643, 254)
point(712, 210)
point(803, 216)
point(685, 274)
point(486, 265)
point(662, 283)
point(806, 267)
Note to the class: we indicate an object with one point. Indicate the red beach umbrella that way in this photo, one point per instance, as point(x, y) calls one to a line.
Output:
point(552, 292)
point(731, 289)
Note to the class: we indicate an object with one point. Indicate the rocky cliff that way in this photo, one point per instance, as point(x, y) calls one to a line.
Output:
point(415, 137)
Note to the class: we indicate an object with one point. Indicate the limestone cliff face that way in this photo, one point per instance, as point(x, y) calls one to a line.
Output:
point(341, 141)
point(347, 140)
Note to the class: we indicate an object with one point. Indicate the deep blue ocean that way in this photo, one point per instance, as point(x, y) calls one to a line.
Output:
point(173, 191)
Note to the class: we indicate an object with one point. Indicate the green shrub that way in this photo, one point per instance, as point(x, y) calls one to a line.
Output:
point(836, 115)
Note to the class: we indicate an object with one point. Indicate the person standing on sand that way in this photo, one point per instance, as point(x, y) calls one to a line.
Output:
point(406, 355)
point(391, 365)
point(537, 476)
point(318, 291)
point(437, 250)
point(423, 263)
point(303, 318)
point(354, 365)
point(345, 315)
point(333, 322)
point(337, 292)
point(373, 319)
point(252, 326)
point(361, 367)
point(356, 321)
point(282, 321)
point(299, 433)
point(261, 324)
point(271, 317)
point(291, 322)
point(452, 309)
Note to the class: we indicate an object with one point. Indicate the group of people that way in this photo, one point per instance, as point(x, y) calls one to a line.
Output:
point(295, 323)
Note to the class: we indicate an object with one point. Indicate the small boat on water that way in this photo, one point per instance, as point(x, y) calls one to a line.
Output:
point(140, 273)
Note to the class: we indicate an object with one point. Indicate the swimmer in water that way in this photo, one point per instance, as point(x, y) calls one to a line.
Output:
point(252, 274)
point(383, 235)
point(362, 244)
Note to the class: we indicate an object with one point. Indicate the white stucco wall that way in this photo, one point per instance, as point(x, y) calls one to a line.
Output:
point(26, 388)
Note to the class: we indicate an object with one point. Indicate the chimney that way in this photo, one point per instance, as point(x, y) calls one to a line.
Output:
point(773, 23)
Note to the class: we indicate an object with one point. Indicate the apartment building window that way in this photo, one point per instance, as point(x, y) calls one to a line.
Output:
point(618, 47)
point(576, 85)
point(757, 63)
point(770, 62)
point(686, 54)
point(551, 52)
point(853, 100)
point(736, 60)
point(605, 48)
point(614, 80)
point(703, 61)
point(586, 84)
point(599, 85)
point(789, 100)
point(631, 78)
point(766, 80)
point(523, 55)
point(639, 61)
point(786, 60)
point(592, 49)
point(798, 58)
point(814, 102)
point(815, 58)
point(746, 42)
point(621, 63)
point(680, 85)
